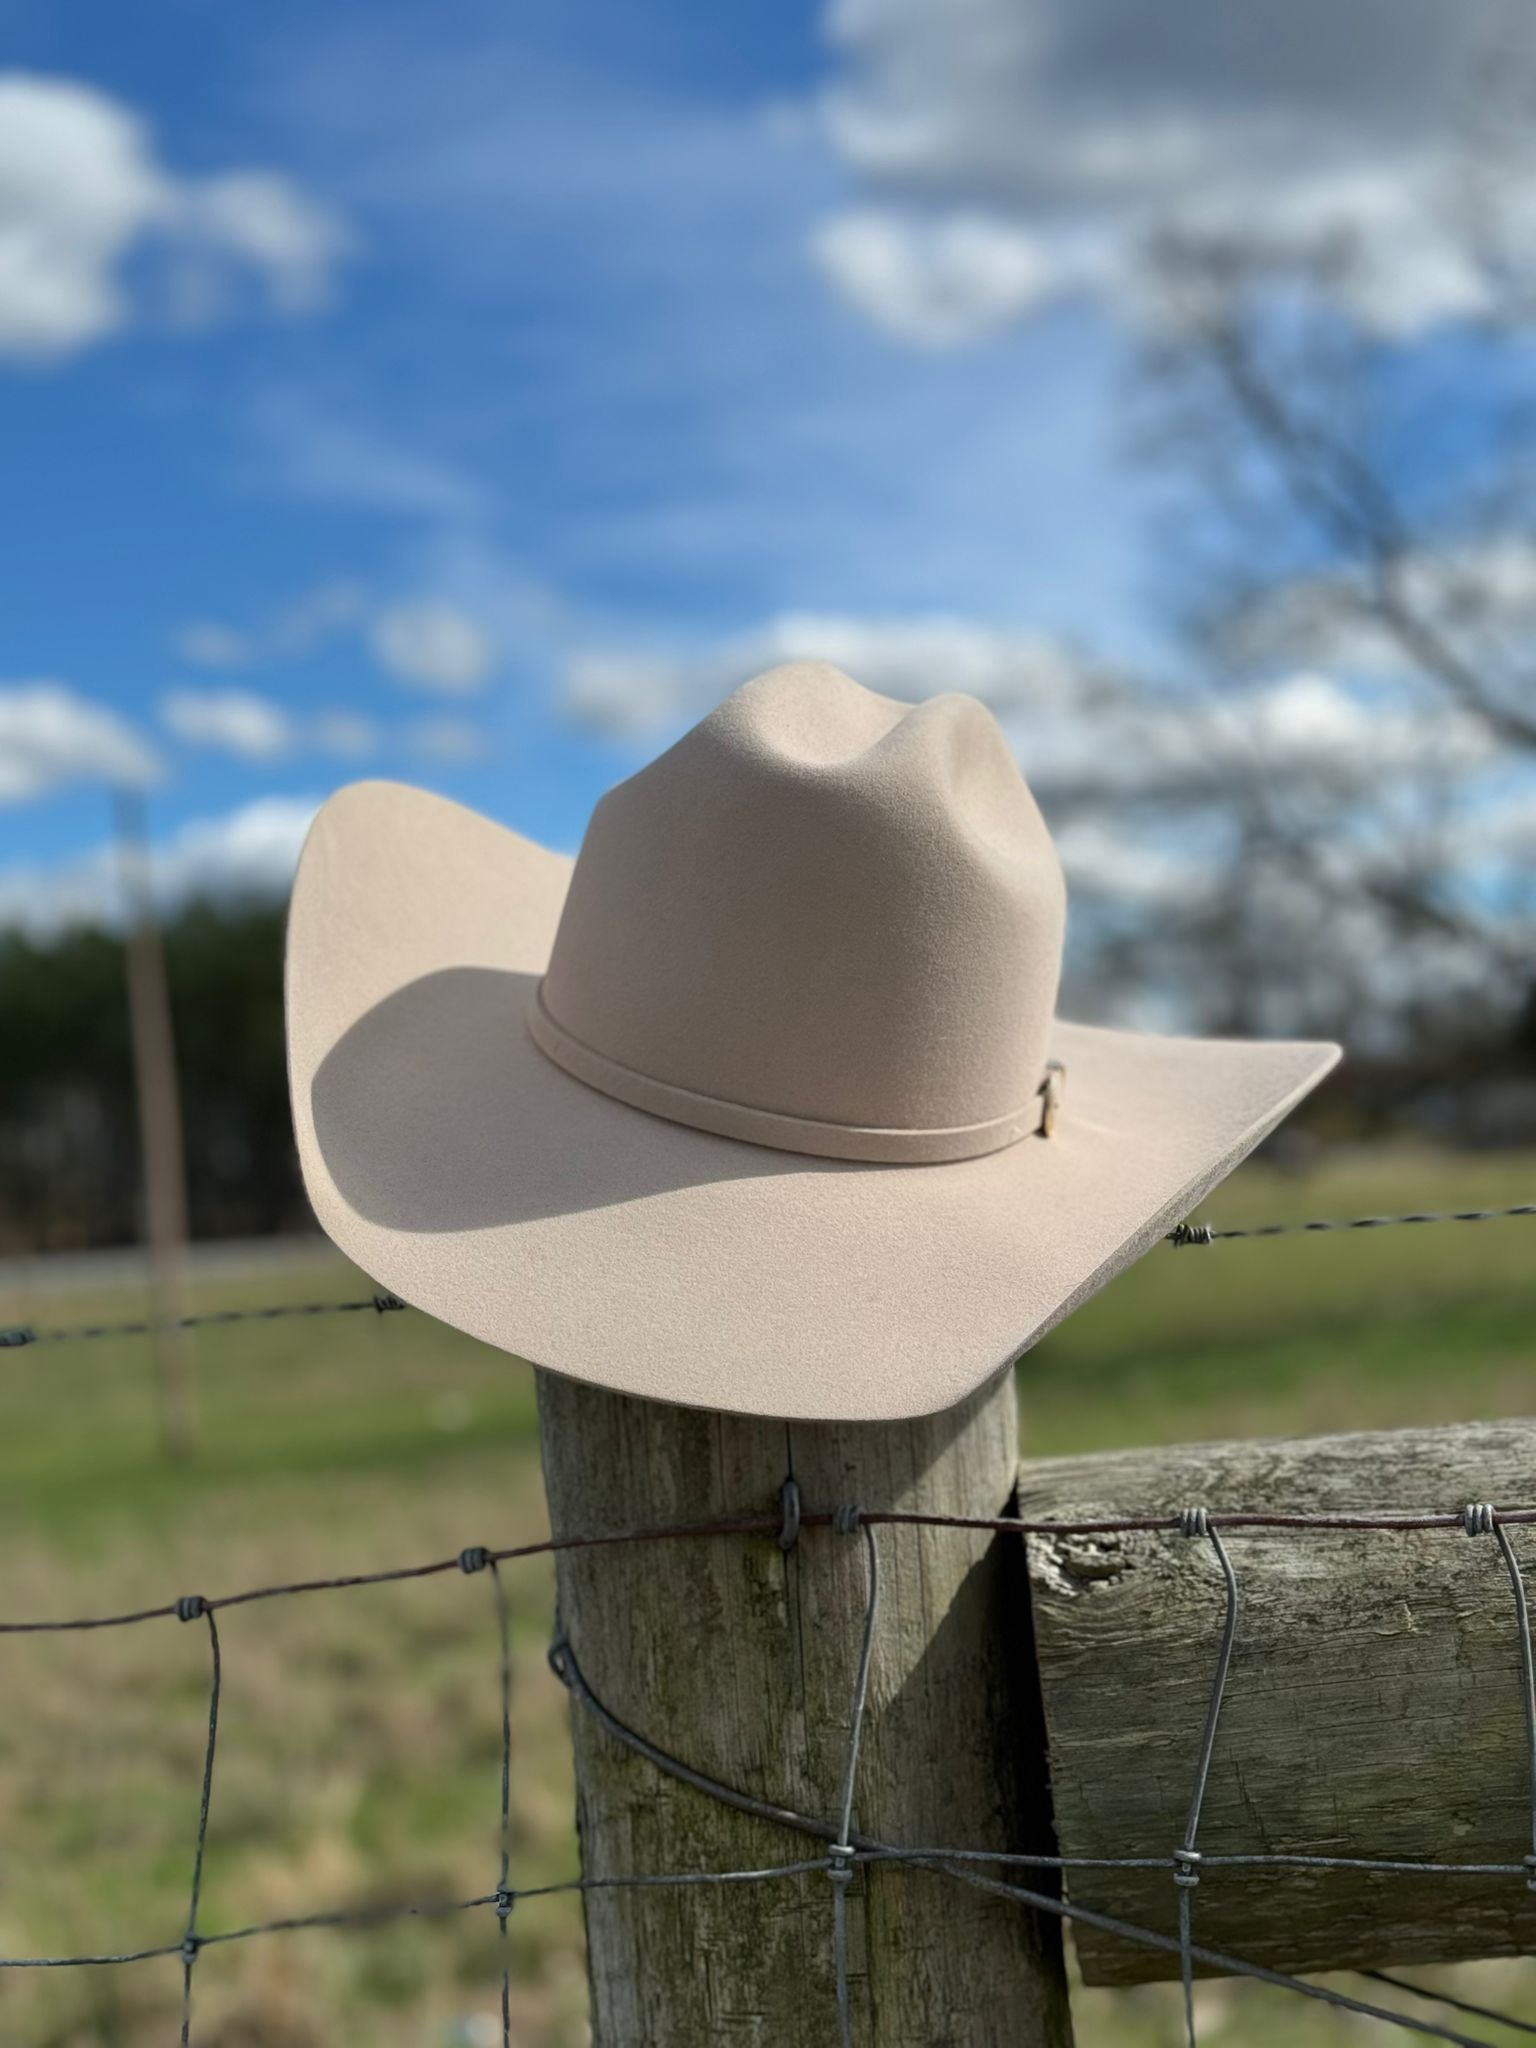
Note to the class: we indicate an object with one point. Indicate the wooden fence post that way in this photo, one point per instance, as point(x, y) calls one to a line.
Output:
point(158, 1093)
point(739, 1658)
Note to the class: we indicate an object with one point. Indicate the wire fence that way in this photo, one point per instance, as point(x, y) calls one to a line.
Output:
point(1183, 1235)
point(847, 1849)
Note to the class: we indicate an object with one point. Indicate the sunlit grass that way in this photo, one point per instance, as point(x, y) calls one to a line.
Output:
point(360, 1747)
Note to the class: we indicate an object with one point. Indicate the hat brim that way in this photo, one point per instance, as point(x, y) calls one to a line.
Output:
point(461, 1168)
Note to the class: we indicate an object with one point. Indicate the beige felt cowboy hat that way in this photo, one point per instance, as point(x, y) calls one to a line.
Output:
point(762, 1103)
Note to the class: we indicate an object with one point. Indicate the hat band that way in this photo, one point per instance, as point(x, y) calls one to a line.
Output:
point(726, 1119)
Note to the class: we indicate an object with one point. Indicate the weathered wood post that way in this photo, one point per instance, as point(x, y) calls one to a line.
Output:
point(739, 1657)
point(158, 1093)
point(1375, 1705)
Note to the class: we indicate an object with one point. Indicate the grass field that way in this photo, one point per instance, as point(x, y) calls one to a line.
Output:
point(360, 1746)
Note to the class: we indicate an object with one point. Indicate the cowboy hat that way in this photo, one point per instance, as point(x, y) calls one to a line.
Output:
point(761, 1103)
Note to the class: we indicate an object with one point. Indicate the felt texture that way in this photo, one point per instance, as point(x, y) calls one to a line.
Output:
point(467, 1171)
point(823, 905)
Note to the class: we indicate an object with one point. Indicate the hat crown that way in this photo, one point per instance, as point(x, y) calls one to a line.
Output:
point(835, 913)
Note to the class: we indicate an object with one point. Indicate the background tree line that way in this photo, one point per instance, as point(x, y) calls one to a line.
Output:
point(69, 1144)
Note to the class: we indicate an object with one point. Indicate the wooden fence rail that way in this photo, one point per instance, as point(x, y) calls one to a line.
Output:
point(1376, 1705)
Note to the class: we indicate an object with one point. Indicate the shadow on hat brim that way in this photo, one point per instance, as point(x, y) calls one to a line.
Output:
point(462, 1169)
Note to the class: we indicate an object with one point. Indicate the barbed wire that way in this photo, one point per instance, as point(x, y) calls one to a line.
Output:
point(18, 1336)
point(772, 1524)
point(22, 1334)
point(1207, 1233)
point(848, 1848)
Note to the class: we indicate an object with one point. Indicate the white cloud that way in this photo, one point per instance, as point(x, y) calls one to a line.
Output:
point(207, 644)
point(448, 740)
point(230, 721)
point(78, 186)
point(1303, 733)
point(942, 279)
point(906, 658)
point(255, 728)
point(428, 643)
point(347, 734)
point(297, 630)
point(318, 455)
point(51, 736)
point(1481, 595)
point(262, 220)
point(251, 851)
point(433, 646)
point(1084, 736)
point(1310, 725)
point(936, 282)
point(1172, 806)
point(1110, 865)
point(83, 191)
point(314, 617)
point(1012, 150)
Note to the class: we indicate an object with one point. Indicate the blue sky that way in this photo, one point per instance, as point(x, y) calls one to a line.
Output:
point(468, 394)
point(574, 376)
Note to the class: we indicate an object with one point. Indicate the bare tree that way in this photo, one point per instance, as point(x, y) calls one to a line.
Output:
point(1352, 513)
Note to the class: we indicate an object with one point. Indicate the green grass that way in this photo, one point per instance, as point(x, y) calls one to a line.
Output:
point(1288, 1336)
point(359, 1750)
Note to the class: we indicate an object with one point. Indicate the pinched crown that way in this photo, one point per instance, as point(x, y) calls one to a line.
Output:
point(823, 920)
